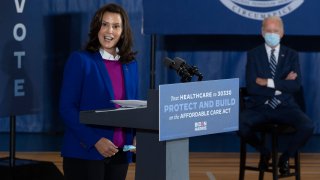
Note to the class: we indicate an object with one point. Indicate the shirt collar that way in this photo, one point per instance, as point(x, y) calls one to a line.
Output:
point(276, 49)
point(109, 57)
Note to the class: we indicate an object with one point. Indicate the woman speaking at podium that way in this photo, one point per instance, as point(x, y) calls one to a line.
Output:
point(105, 70)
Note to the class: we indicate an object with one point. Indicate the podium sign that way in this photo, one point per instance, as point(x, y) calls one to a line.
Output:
point(198, 108)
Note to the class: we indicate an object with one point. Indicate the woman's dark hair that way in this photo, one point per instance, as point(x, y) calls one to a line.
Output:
point(126, 40)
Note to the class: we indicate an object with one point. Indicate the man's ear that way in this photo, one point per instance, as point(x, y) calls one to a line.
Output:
point(281, 35)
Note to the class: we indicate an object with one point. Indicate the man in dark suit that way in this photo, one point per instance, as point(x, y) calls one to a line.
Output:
point(272, 77)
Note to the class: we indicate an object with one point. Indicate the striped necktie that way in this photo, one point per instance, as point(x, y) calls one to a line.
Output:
point(273, 102)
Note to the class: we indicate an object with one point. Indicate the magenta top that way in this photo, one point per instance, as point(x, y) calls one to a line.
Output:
point(114, 69)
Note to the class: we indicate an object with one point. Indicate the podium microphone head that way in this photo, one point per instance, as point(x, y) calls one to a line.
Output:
point(168, 62)
point(179, 61)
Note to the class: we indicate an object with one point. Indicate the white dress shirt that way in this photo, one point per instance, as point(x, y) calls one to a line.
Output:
point(270, 83)
point(107, 56)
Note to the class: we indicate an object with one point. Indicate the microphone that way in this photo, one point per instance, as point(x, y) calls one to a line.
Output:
point(192, 70)
point(168, 62)
point(181, 62)
point(179, 67)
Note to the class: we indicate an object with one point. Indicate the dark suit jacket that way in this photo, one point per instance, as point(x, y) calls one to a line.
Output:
point(258, 66)
point(87, 86)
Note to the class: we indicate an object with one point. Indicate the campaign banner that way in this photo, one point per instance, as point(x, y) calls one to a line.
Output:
point(228, 17)
point(198, 108)
point(22, 53)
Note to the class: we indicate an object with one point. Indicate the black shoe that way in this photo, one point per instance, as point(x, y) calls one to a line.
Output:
point(264, 161)
point(284, 168)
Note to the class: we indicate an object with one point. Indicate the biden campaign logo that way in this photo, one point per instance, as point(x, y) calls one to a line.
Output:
point(260, 9)
point(200, 126)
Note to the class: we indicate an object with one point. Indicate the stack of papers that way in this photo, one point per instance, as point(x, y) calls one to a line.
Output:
point(130, 103)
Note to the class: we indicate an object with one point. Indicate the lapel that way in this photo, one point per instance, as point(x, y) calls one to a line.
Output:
point(265, 61)
point(104, 74)
point(281, 60)
point(126, 78)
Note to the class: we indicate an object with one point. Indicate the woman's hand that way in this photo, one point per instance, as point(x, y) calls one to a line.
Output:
point(134, 142)
point(106, 148)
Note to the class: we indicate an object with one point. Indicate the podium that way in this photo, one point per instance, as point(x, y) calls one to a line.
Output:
point(165, 160)
point(174, 113)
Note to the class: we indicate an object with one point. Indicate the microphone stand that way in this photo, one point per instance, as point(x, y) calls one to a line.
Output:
point(189, 72)
point(185, 71)
point(184, 74)
point(193, 70)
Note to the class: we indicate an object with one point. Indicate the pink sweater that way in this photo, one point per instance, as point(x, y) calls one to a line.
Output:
point(114, 69)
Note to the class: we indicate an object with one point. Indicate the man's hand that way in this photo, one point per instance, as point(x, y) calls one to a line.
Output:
point(261, 81)
point(106, 148)
point(292, 76)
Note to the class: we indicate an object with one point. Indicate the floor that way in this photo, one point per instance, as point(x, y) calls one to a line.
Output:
point(204, 166)
point(206, 160)
point(224, 142)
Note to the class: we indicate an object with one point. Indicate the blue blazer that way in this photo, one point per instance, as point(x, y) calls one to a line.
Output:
point(86, 86)
point(258, 66)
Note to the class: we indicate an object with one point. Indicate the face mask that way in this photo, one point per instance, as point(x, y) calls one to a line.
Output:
point(272, 39)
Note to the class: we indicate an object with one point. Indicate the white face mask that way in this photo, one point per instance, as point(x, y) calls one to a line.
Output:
point(272, 39)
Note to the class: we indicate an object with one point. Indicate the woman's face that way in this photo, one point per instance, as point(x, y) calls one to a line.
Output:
point(110, 31)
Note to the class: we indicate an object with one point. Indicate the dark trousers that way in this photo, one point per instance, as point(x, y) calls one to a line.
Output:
point(114, 168)
point(290, 115)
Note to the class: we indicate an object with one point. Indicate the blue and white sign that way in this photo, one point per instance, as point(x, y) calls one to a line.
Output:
point(22, 53)
point(258, 10)
point(198, 108)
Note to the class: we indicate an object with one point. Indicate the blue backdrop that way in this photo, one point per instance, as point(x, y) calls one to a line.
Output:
point(217, 44)
point(228, 16)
